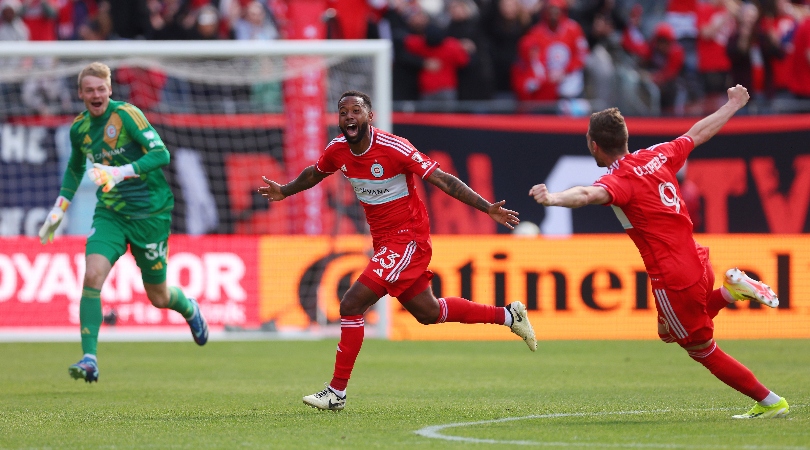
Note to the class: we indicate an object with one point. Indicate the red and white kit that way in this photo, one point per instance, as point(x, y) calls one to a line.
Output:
point(647, 200)
point(382, 178)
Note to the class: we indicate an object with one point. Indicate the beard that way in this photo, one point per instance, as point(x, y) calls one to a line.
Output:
point(362, 131)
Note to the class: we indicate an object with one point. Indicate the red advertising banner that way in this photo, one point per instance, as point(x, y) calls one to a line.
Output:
point(40, 286)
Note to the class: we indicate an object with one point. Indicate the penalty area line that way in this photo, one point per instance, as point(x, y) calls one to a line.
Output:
point(436, 432)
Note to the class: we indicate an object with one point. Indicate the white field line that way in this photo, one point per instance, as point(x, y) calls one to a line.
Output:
point(435, 432)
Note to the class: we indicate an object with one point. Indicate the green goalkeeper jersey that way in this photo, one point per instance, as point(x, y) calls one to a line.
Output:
point(121, 136)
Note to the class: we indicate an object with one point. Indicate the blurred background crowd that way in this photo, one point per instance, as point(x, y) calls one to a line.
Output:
point(664, 57)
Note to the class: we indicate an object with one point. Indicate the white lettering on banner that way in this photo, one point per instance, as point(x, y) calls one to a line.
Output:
point(21, 144)
point(212, 276)
point(31, 274)
point(223, 271)
point(8, 278)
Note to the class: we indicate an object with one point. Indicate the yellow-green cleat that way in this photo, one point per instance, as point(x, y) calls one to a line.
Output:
point(777, 410)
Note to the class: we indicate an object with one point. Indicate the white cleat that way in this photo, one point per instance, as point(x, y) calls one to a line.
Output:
point(326, 399)
point(521, 325)
point(742, 287)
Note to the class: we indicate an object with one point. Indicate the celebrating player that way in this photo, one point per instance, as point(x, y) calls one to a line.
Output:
point(134, 208)
point(380, 166)
point(645, 195)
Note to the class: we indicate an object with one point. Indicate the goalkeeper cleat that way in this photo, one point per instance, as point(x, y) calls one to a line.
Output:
point(742, 287)
point(86, 369)
point(198, 325)
point(521, 325)
point(326, 400)
point(777, 410)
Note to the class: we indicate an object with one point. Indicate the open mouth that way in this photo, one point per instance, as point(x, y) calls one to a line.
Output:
point(352, 129)
point(96, 103)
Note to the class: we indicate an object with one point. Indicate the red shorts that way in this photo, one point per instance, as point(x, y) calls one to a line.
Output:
point(399, 269)
point(683, 313)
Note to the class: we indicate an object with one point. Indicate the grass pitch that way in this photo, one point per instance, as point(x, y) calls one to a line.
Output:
point(584, 394)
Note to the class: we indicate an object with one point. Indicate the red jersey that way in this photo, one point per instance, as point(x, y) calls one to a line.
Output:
point(711, 52)
point(800, 65)
point(382, 178)
point(450, 53)
point(646, 198)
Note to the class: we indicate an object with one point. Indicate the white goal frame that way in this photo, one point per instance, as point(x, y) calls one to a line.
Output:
point(380, 51)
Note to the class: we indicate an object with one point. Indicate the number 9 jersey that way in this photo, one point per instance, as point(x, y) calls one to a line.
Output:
point(646, 198)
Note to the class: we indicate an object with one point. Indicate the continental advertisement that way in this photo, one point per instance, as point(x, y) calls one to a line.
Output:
point(581, 287)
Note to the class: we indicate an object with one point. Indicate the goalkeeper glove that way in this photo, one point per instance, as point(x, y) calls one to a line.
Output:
point(109, 176)
point(53, 219)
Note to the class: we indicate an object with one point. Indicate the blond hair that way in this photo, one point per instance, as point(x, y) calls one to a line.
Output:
point(96, 69)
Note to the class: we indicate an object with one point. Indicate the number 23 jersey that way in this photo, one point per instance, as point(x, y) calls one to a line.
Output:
point(382, 179)
point(646, 198)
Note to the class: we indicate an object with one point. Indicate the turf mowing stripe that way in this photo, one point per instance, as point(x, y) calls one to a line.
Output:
point(434, 432)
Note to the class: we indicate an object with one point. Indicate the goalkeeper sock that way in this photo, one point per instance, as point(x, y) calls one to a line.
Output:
point(457, 309)
point(178, 302)
point(90, 319)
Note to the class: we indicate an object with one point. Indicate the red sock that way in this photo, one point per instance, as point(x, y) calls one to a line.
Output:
point(715, 303)
point(730, 371)
point(351, 339)
point(457, 309)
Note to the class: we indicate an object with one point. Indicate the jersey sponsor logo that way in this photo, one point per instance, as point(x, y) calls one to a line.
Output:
point(106, 154)
point(669, 195)
point(376, 192)
point(653, 165)
point(377, 170)
point(111, 131)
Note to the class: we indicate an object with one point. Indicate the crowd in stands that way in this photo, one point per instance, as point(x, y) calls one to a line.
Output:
point(671, 57)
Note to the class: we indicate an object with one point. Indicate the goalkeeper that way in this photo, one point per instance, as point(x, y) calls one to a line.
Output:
point(134, 208)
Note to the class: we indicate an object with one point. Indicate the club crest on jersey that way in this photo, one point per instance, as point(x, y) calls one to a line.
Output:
point(111, 131)
point(377, 170)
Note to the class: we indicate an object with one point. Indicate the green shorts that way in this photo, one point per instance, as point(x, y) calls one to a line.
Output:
point(148, 240)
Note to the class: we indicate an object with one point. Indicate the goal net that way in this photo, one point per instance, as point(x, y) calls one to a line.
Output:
point(230, 112)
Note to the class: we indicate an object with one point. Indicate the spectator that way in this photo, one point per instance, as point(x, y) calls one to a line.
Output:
point(12, 27)
point(682, 15)
point(779, 26)
point(130, 18)
point(443, 56)
point(354, 18)
point(256, 24)
point(94, 30)
point(405, 17)
point(40, 18)
point(72, 15)
point(662, 60)
point(168, 20)
point(474, 79)
point(800, 61)
point(206, 26)
point(751, 51)
point(715, 21)
point(603, 25)
point(552, 55)
point(506, 25)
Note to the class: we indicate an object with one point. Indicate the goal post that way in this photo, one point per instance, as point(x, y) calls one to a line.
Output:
point(229, 112)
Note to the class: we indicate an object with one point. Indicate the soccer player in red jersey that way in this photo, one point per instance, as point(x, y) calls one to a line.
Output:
point(381, 166)
point(642, 190)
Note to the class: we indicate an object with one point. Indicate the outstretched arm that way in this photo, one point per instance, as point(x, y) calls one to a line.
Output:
point(458, 190)
point(570, 198)
point(308, 178)
point(711, 125)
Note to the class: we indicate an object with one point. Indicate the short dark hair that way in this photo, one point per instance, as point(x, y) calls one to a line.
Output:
point(361, 95)
point(607, 128)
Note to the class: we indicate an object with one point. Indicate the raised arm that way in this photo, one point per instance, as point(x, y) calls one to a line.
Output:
point(460, 191)
point(308, 178)
point(570, 198)
point(707, 127)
